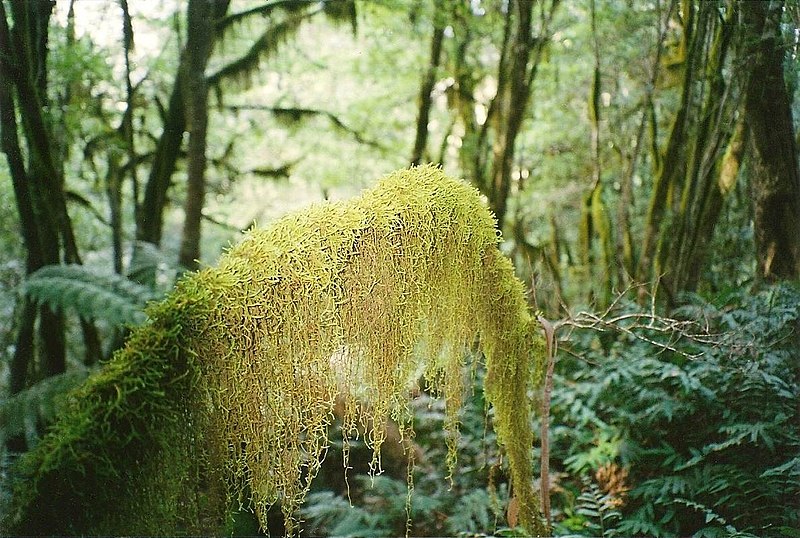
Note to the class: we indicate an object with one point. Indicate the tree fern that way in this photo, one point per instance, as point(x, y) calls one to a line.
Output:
point(92, 294)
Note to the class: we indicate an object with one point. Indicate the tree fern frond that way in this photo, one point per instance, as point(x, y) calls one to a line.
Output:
point(151, 267)
point(38, 403)
point(94, 295)
point(789, 468)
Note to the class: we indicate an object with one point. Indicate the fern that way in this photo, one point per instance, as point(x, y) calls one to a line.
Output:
point(92, 294)
point(712, 442)
point(22, 415)
point(40, 403)
point(599, 510)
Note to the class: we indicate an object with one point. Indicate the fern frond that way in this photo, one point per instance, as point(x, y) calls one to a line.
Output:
point(38, 403)
point(789, 468)
point(152, 267)
point(94, 295)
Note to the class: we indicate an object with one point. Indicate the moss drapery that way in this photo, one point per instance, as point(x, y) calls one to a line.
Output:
point(230, 385)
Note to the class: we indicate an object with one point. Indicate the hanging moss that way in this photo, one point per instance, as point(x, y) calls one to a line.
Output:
point(230, 386)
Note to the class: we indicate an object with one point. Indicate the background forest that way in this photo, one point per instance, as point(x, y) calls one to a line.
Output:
point(641, 157)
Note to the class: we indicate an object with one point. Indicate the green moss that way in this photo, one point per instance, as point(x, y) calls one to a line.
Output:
point(230, 387)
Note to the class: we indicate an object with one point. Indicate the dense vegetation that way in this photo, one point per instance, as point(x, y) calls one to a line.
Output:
point(641, 157)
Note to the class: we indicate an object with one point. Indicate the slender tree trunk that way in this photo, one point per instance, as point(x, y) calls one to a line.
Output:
point(626, 254)
point(24, 348)
point(512, 97)
point(421, 138)
point(595, 219)
point(151, 222)
point(37, 186)
point(127, 122)
point(198, 48)
point(774, 176)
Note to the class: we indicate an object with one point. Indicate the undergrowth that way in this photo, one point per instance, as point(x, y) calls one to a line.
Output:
point(701, 441)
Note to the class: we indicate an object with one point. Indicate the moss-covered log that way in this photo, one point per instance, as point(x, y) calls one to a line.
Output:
point(229, 387)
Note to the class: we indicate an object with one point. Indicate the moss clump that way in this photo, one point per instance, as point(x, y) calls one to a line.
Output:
point(233, 380)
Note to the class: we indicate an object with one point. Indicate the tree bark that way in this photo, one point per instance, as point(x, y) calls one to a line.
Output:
point(702, 198)
point(668, 165)
point(774, 176)
point(512, 98)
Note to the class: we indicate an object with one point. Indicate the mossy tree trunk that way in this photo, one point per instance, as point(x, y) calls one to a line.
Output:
point(774, 176)
point(520, 58)
point(488, 144)
point(701, 195)
point(668, 164)
point(597, 250)
point(687, 198)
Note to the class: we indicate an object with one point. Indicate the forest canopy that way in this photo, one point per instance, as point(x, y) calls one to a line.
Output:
point(639, 159)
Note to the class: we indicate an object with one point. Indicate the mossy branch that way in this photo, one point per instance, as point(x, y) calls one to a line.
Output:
point(227, 392)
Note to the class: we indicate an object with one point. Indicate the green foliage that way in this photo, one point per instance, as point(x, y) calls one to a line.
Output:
point(709, 435)
point(597, 510)
point(93, 294)
point(471, 502)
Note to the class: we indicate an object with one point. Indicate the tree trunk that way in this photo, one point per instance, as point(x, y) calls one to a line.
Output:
point(149, 225)
point(198, 49)
point(421, 138)
point(512, 98)
point(487, 150)
point(151, 222)
point(774, 176)
point(36, 186)
point(668, 165)
point(598, 257)
point(702, 198)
